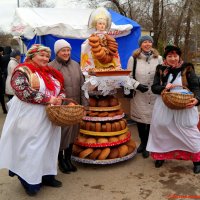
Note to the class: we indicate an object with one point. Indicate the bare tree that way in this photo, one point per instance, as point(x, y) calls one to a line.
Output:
point(39, 4)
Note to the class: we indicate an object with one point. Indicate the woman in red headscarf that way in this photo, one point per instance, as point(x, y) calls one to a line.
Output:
point(29, 143)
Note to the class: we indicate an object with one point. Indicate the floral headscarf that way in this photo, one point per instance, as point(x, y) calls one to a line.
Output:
point(36, 48)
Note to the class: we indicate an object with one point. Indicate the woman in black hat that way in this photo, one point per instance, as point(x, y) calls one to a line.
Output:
point(174, 133)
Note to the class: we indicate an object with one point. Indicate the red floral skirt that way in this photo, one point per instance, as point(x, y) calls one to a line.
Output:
point(177, 155)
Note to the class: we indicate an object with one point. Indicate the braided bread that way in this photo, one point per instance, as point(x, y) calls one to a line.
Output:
point(103, 48)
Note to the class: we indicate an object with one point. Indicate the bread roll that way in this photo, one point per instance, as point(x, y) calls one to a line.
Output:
point(76, 149)
point(103, 128)
point(85, 153)
point(117, 125)
point(103, 103)
point(122, 124)
point(98, 127)
point(123, 150)
point(108, 127)
point(131, 143)
point(102, 140)
point(122, 137)
point(81, 138)
point(91, 140)
point(103, 114)
point(104, 154)
point(113, 139)
point(130, 149)
point(113, 127)
point(92, 102)
point(113, 102)
point(114, 153)
point(95, 154)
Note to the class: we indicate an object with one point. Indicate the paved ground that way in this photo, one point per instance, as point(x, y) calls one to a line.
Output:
point(136, 179)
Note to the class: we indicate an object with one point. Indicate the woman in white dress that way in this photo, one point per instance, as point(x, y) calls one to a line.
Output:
point(29, 142)
point(174, 133)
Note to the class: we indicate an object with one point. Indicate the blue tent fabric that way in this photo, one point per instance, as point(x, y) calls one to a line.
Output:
point(127, 44)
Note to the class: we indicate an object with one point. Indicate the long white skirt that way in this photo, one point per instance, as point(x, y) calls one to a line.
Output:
point(173, 129)
point(29, 142)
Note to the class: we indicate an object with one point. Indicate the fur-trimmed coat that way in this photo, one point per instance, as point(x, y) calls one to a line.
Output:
point(188, 76)
point(142, 103)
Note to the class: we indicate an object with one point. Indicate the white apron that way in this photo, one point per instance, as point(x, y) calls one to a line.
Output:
point(29, 142)
point(173, 129)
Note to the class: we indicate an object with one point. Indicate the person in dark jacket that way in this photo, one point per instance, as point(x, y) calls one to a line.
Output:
point(173, 132)
point(73, 81)
point(2, 81)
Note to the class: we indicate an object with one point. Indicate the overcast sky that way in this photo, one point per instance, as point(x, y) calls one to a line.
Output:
point(7, 9)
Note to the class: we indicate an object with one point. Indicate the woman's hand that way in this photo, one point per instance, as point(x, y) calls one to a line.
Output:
point(192, 103)
point(55, 100)
point(169, 86)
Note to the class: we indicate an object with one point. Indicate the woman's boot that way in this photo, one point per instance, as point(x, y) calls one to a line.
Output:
point(196, 168)
point(68, 153)
point(159, 163)
point(61, 163)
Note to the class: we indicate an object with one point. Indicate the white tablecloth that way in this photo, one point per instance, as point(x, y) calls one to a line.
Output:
point(106, 84)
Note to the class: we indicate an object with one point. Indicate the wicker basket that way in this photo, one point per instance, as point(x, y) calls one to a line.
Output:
point(175, 100)
point(64, 115)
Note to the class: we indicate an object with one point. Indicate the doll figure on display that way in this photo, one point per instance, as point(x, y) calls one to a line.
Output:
point(100, 51)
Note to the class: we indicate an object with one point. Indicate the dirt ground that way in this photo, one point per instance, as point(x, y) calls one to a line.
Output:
point(135, 179)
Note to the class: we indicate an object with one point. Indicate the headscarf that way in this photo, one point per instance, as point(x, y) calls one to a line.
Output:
point(44, 71)
point(35, 49)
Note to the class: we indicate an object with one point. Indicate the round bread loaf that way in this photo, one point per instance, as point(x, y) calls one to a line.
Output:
point(92, 102)
point(95, 154)
point(104, 154)
point(108, 127)
point(87, 126)
point(81, 138)
point(113, 139)
point(131, 143)
point(122, 124)
point(103, 114)
point(103, 128)
point(113, 102)
point(117, 125)
point(102, 140)
point(98, 127)
point(93, 114)
point(122, 137)
point(86, 152)
point(123, 150)
point(119, 112)
point(103, 103)
point(130, 149)
point(76, 150)
point(93, 126)
point(114, 152)
point(113, 127)
point(111, 114)
point(82, 124)
point(91, 140)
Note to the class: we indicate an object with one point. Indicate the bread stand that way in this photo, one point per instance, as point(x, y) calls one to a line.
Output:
point(104, 86)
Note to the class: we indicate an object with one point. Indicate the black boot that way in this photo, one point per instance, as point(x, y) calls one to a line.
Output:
point(196, 168)
point(68, 153)
point(159, 163)
point(49, 180)
point(143, 130)
point(61, 163)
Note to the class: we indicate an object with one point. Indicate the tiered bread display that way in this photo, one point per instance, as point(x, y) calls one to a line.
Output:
point(104, 137)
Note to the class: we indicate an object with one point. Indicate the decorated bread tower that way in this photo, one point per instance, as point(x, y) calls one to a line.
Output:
point(104, 136)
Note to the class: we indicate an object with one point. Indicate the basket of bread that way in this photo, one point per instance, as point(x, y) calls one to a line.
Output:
point(64, 115)
point(177, 100)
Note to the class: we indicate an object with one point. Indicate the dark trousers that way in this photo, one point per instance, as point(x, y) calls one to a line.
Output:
point(143, 131)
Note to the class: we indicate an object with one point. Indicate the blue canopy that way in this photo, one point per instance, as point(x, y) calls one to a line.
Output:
point(127, 44)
